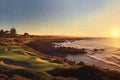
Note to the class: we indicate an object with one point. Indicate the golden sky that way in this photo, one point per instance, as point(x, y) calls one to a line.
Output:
point(99, 18)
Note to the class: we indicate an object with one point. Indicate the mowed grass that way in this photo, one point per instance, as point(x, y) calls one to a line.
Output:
point(17, 54)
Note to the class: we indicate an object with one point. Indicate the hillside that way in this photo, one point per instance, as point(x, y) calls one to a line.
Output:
point(32, 59)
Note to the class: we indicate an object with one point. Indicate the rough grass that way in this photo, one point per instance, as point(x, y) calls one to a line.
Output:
point(7, 73)
point(86, 73)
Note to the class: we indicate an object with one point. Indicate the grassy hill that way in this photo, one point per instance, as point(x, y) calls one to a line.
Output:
point(15, 54)
point(23, 64)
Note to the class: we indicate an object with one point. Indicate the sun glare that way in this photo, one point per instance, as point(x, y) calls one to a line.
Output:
point(115, 34)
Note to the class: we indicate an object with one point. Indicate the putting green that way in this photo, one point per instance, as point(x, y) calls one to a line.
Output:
point(17, 54)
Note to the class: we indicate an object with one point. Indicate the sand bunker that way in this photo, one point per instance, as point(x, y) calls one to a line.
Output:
point(13, 64)
point(40, 60)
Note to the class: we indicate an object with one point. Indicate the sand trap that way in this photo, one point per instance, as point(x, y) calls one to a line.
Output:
point(13, 64)
point(40, 60)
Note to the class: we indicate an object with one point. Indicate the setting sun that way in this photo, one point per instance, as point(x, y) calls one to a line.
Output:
point(115, 34)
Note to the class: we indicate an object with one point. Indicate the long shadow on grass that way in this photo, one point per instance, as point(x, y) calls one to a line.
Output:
point(85, 73)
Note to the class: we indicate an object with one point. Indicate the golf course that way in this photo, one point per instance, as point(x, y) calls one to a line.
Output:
point(33, 59)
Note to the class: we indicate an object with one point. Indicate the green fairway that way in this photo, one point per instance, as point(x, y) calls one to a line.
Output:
point(17, 54)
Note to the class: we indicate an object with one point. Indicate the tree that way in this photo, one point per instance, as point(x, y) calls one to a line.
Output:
point(13, 32)
point(6, 32)
point(1, 33)
point(25, 34)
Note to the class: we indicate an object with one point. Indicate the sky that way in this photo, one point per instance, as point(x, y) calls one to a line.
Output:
point(99, 18)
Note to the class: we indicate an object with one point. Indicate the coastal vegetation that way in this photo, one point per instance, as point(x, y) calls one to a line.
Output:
point(12, 33)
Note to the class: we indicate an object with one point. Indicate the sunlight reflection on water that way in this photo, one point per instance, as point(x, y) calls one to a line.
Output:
point(109, 58)
point(93, 43)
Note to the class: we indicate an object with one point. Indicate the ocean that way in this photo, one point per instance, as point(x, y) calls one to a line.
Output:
point(108, 58)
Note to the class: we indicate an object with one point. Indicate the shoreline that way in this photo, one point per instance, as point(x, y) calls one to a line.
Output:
point(93, 62)
point(50, 49)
